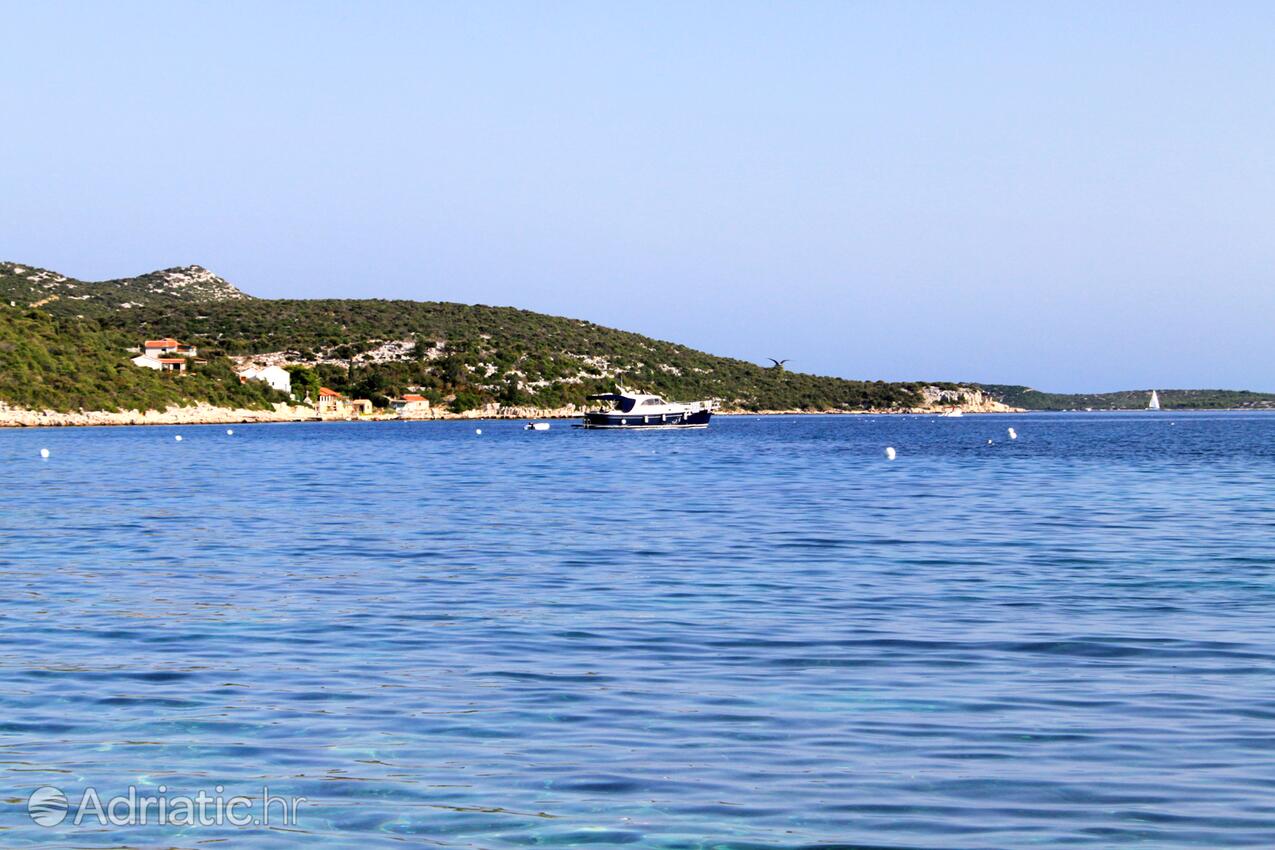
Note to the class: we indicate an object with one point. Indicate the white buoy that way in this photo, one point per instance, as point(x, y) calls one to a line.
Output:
point(1013, 435)
point(44, 453)
point(890, 453)
point(989, 442)
point(230, 432)
point(178, 438)
point(478, 431)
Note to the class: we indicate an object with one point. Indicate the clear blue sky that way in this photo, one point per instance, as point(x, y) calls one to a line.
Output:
point(1074, 196)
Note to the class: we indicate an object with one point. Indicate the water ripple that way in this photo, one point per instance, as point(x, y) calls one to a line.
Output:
point(762, 636)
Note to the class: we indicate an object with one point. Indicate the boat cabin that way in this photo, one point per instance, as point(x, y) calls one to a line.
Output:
point(624, 403)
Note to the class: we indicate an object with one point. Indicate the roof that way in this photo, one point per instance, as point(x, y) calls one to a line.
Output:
point(161, 343)
point(171, 359)
point(324, 392)
point(413, 397)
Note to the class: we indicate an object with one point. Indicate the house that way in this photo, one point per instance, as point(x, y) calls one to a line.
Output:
point(332, 403)
point(410, 404)
point(157, 348)
point(168, 346)
point(275, 376)
point(162, 364)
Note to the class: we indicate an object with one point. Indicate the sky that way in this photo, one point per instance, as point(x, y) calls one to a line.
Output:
point(1073, 196)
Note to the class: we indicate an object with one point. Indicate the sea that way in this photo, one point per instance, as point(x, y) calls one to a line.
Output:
point(761, 635)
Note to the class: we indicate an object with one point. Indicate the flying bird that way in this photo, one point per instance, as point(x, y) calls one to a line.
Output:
point(779, 364)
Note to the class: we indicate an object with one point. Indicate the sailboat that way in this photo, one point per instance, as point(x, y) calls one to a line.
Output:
point(1154, 404)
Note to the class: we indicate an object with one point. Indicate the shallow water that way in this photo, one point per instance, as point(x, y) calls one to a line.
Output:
point(762, 635)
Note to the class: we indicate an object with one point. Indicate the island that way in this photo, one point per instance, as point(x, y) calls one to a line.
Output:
point(183, 345)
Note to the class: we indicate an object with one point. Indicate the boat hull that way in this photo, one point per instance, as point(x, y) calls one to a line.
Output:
point(638, 422)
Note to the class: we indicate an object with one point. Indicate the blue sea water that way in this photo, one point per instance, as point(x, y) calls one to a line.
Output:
point(762, 635)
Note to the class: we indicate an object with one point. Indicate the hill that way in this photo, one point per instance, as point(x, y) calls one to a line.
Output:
point(49, 362)
point(68, 341)
point(28, 286)
point(1030, 399)
point(477, 354)
point(460, 355)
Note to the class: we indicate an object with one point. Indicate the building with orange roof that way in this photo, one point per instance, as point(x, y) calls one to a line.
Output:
point(331, 403)
point(411, 404)
point(167, 346)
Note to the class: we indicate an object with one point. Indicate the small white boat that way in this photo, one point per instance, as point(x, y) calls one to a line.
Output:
point(536, 426)
point(1154, 404)
point(951, 414)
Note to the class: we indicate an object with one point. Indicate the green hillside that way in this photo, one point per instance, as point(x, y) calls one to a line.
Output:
point(479, 354)
point(1030, 399)
point(66, 342)
point(65, 296)
point(49, 362)
point(456, 354)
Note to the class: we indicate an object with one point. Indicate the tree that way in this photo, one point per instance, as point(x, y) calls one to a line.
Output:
point(305, 382)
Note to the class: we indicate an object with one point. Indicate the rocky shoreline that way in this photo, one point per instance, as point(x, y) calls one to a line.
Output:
point(203, 414)
point(199, 414)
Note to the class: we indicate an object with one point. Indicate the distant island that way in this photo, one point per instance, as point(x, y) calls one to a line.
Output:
point(1170, 399)
point(75, 352)
point(1029, 399)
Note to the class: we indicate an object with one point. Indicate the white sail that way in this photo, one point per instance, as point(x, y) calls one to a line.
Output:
point(1155, 401)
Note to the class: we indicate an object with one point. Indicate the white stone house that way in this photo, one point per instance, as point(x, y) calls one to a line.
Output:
point(162, 364)
point(158, 348)
point(275, 376)
point(410, 404)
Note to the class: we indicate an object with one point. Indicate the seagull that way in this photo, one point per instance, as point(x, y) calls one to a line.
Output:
point(779, 364)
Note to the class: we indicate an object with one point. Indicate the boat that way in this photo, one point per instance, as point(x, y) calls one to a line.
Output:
point(536, 426)
point(649, 412)
point(1154, 404)
point(951, 414)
